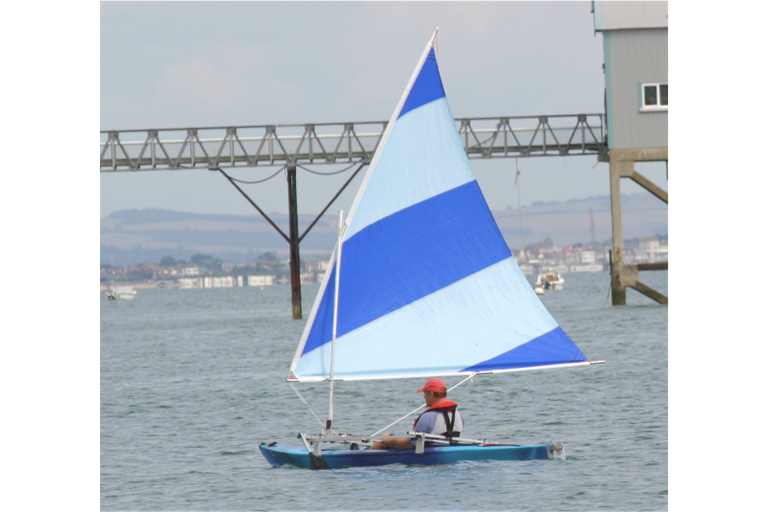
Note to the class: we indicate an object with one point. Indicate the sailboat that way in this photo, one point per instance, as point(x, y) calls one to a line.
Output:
point(427, 287)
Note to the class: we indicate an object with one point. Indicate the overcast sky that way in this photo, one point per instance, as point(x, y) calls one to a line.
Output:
point(193, 64)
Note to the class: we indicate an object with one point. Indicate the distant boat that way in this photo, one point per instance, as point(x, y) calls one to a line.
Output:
point(546, 281)
point(428, 288)
point(120, 293)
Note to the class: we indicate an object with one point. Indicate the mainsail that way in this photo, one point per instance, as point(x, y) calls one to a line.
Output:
point(428, 286)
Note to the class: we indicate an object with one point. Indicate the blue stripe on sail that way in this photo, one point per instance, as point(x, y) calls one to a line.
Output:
point(408, 255)
point(554, 347)
point(427, 87)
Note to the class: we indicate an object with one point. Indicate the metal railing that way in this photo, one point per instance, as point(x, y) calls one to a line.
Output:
point(338, 143)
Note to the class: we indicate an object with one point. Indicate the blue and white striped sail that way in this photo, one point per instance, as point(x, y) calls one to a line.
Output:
point(428, 286)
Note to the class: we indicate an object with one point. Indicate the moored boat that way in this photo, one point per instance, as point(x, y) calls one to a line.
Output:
point(549, 281)
point(120, 293)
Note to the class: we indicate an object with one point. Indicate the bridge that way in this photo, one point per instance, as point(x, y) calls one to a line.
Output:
point(352, 144)
point(210, 147)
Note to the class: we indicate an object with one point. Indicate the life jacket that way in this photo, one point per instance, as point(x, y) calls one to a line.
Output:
point(448, 409)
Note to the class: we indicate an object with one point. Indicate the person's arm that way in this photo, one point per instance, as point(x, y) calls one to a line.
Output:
point(425, 423)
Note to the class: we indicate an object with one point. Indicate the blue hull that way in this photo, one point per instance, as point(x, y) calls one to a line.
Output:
point(278, 455)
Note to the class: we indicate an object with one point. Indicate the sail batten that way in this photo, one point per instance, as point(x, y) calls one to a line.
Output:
point(429, 286)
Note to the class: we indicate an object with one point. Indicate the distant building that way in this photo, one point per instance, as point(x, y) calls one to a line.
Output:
point(571, 257)
point(588, 257)
point(165, 272)
point(652, 249)
point(209, 282)
point(261, 280)
point(218, 282)
point(592, 267)
point(190, 282)
point(190, 271)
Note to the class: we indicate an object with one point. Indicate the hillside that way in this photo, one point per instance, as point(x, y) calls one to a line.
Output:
point(133, 236)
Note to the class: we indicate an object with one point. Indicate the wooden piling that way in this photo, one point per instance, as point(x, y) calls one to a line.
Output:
point(622, 165)
point(649, 292)
point(293, 242)
point(618, 291)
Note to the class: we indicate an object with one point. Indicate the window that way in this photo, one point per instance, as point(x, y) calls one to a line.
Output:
point(654, 97)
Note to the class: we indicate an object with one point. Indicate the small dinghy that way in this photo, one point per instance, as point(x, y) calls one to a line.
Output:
point(429, 288)
point(278, 455)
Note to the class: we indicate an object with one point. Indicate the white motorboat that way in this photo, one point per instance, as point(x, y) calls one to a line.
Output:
point(120, 293)
point(546, 281)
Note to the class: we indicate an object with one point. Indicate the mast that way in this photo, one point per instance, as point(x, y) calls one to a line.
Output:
point(329, 421)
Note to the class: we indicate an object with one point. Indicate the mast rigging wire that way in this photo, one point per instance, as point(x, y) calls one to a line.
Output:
point(298, 394)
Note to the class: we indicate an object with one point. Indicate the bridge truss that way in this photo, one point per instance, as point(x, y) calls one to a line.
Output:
point(338, 143)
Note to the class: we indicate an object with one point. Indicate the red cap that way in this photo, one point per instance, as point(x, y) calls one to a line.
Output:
point(433, 385)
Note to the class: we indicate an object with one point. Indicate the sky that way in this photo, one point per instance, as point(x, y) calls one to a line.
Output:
point(180, 64)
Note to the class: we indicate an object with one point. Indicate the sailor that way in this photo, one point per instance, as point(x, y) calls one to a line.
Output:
point(440, 418)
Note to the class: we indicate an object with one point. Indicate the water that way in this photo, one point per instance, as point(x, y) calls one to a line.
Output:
point(192, 380)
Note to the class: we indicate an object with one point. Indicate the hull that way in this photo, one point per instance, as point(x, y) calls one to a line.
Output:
point(278, 455)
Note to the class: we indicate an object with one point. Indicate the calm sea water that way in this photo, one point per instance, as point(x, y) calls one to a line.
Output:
point(193, 380)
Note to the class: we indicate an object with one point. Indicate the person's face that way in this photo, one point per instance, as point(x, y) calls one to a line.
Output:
point(429, 398)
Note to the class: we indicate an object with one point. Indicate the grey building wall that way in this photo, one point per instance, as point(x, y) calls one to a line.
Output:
point(634, 57)
point(629, 14)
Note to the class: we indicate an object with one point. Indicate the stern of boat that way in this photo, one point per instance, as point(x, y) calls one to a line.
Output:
point(556, 450)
